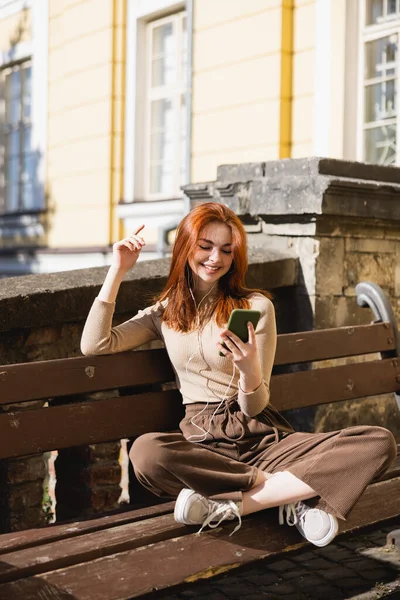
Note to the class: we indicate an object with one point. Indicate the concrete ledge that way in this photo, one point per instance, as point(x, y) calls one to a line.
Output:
point(300, 190)
point(40, 300)
point(309, 167)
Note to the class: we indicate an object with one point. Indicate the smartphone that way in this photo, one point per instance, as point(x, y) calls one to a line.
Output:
point(238, 320)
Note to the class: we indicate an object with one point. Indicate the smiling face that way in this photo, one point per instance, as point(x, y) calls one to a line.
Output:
point(212, 256)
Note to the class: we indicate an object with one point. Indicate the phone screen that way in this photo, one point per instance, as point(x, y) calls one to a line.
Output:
point(238, 320)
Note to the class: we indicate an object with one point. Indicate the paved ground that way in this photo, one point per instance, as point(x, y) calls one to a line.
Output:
point(358, 567)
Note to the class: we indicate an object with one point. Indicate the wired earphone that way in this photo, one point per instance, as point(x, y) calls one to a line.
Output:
point(204, 433)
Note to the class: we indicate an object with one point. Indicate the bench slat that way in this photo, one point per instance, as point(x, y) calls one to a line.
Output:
point(10, 542)
point(334, 384)
point(116, 535)
point(323, 344)
point(51, 428)
point(20, 540)
point(87, 547)
point(136, 572)
point(63, 377)
point(39, 430)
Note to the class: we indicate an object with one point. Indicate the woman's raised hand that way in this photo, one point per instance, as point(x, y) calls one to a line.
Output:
point(127, 251)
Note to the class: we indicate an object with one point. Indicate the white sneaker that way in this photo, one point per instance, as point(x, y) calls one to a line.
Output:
point(193, 509)
point(314, 524)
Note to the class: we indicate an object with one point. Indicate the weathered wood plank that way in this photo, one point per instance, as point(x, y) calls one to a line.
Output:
point(36, 589)
point(321, 344)
point(63, 377)
point(41, 429)
point(20, 540)
point(335, 384)
point(136, 572)
point(33, 431)
point(88, 546)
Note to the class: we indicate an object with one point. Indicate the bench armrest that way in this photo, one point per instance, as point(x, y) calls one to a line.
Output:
point(371, 295)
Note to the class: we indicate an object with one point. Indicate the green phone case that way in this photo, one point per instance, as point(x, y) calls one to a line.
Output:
point(238, 320)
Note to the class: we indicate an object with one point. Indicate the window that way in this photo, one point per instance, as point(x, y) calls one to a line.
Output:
point(18, 171)
point(379, 11)
point(166, 143)
point(380, 40)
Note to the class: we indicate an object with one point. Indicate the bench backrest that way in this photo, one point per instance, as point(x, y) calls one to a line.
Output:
point(78, 401)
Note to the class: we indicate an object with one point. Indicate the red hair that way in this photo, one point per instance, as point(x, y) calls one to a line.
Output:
point(180, 312)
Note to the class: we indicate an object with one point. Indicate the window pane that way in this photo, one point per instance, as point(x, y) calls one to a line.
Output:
point(161, 178)
point(162, 147)
point(374, 11)
point(27, 94)
point(12, 171)
point(13, 111)
point(391, 7)
point(184, 52)
point(162, 127)
point(27, 195)
point(2, 101)
point(19, 162)
point(12, 197)
point(29, 168)
point(380, 145)
point(167, 131)
point(183, 142)
point(13, 84)
point(26, 137)
point(162, 116)
point(163, 55)
point(13, 97)
point(380, 57)
point(380, 101)
point(12, 148)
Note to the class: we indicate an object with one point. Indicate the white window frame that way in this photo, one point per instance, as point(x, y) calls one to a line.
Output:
point(36, 50)
point(370, 33)
point(140, 13)
point(23, 124)
point(176, 92)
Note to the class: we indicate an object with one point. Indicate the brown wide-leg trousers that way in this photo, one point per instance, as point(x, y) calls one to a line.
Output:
point(338, 465)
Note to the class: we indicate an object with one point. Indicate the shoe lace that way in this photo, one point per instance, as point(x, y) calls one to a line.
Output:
point(220, 511)
point(295, 512)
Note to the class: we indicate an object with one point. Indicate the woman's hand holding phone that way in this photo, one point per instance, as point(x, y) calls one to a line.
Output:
point(244, 355)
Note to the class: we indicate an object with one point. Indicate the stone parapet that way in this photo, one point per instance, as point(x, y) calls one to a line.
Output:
point(301, 190)
point(44, 301)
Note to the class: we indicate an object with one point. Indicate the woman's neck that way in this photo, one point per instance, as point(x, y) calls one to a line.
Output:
point(201, 294)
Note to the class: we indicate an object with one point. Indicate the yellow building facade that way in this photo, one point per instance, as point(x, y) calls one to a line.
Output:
point(109, 106)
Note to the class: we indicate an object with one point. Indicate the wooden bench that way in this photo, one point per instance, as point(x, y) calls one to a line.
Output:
point(130, 553)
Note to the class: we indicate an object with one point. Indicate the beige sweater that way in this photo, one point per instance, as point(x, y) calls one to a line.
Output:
point(201, 374)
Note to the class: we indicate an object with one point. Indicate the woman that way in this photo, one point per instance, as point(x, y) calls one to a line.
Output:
point(235, 454)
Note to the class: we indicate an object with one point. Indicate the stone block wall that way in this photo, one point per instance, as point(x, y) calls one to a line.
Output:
point(347, 257)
